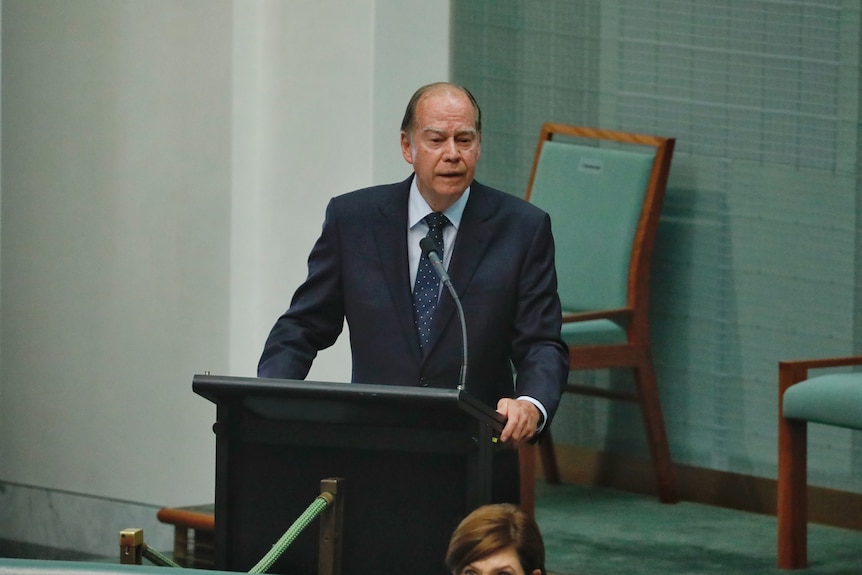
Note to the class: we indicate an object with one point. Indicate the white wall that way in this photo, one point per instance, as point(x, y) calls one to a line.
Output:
point(165, 166)
point(318, 114)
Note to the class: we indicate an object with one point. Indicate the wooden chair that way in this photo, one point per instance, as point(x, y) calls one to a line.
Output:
point(604, 191)
point(830, 399)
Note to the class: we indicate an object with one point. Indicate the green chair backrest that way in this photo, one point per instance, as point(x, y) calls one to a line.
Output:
point(594, 197)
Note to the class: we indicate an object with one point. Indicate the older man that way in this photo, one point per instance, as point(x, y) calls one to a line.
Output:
point(367, 267)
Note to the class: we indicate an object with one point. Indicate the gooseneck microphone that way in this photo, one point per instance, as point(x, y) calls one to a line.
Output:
point(429, 250)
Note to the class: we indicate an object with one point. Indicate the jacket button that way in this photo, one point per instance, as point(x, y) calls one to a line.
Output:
point(423, 382)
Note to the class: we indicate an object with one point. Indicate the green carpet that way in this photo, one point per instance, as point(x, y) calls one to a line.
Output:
point(590, 531)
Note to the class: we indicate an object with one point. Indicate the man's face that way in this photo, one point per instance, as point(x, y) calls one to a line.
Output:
point(444, 147)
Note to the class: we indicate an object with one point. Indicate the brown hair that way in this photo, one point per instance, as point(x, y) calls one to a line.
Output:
point(408, 123)
point(493, 528)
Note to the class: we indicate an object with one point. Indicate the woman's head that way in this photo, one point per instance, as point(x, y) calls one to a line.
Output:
point(490, 535)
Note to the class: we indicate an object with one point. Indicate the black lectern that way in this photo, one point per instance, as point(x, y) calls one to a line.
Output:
point(415, 462)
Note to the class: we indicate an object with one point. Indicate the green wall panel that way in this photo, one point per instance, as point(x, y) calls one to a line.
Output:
point(758, 256)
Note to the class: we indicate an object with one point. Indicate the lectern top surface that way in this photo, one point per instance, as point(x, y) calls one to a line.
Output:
point(218, 388)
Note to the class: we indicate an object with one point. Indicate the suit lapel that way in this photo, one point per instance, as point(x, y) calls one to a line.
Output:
point(472, 241)
point(392, 250)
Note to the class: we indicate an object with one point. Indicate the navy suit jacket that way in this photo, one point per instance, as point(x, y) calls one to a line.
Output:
point(502, 267)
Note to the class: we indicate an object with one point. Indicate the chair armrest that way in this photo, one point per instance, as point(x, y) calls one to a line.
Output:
point(618, 315)
point(794, 371)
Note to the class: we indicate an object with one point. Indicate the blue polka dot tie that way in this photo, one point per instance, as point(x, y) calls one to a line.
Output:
point(427, 286)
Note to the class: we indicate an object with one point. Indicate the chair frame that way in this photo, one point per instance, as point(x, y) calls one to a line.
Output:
point(635, 352)
point(792, 507)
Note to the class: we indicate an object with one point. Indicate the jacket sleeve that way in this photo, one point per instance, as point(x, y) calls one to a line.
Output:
point(540, 357)
point(315, 317)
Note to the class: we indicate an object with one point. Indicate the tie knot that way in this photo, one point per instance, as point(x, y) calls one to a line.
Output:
point(436, 221)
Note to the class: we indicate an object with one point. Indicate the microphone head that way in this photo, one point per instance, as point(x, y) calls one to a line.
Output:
point(428, 246)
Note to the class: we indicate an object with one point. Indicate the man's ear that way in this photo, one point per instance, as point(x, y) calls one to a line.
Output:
point(406, 148)
point(536, 572)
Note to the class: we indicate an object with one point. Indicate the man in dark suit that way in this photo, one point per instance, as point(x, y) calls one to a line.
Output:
point(499, 252)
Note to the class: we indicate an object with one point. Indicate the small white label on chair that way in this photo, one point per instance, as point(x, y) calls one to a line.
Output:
point(591, 166)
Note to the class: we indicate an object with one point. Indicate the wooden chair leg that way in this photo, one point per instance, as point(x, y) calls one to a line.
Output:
point(655, 432)
point(549, 458)
point(527, 469)
point(792, 509)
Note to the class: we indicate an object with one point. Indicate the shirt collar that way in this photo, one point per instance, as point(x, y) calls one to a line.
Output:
point(418, 208)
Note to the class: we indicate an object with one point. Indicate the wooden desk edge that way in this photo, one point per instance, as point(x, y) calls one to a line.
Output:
point(185, 518)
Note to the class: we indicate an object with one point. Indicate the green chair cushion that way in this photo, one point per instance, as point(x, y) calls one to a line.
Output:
point(593, 332)
point(834, 399)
